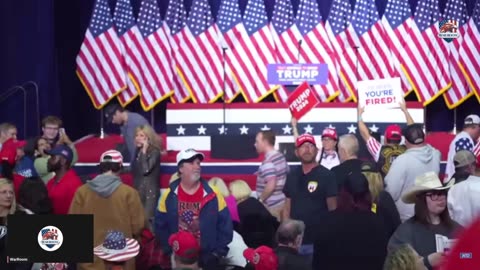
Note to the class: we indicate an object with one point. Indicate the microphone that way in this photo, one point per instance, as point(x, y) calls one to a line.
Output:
point(224, 49)
point(299, 50)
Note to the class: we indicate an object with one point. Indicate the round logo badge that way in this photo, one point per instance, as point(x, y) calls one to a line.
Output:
point(50, 238)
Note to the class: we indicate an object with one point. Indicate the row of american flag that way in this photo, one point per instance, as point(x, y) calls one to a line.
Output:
point(194, 57)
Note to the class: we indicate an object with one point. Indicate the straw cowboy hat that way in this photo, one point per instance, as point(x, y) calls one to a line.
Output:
point(423, 183)
point(117, 248)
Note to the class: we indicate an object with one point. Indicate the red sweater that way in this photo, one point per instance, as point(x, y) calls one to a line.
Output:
point(61, 193)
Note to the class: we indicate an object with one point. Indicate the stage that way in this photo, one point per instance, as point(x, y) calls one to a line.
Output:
point(90, 148)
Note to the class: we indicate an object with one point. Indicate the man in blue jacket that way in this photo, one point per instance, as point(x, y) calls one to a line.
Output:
point(190, 204)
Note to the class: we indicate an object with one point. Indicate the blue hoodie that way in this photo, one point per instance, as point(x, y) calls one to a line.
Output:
point(216, 228)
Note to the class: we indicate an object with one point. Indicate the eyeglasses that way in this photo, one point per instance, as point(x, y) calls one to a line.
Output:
point(435, 196)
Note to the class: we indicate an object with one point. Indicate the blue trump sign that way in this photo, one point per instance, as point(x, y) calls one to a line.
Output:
point(296, 74)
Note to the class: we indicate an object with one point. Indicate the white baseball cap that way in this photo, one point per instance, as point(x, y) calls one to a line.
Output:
point(188, 154)
point(472, 119)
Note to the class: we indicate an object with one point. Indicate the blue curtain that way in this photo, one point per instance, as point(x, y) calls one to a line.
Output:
point(42, 39)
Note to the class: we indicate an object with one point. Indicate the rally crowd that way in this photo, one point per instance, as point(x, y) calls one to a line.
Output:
point(335, 211)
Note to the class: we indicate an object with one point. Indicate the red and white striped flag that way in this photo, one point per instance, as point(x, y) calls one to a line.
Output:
point(286, 37)
point(374, 60)
point(152, 52)
point(456, 17)
point(197, 53)
point(339, 34)
point(429, 73)
point(250, 46)
point(470, 51)
point(126, 26)
point(175, 19)
point(397, 21)
point(100, 64)
point(316, 47)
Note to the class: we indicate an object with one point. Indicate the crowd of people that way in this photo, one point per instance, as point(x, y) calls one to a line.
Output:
point(334, 211)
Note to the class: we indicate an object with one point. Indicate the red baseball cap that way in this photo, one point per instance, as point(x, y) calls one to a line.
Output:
point(305, 138)
point(262, 258)
point(184, 245)
point(330, 133)
point(465, 253)
point(393, 132)
point(9, 150)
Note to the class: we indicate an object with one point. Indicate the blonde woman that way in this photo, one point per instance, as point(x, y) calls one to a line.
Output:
point(383, 203)
point(404, 258)
point(8, 206)
point(220, 185)
point(146, 169)
point(257, 225)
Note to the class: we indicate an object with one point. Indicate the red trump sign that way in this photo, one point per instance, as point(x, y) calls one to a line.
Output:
point(302, 100)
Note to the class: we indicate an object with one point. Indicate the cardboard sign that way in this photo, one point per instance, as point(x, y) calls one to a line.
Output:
point(383, 93)
point(302, 100)
point(295, 74)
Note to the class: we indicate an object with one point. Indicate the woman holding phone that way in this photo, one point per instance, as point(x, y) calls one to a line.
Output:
point(146, 169)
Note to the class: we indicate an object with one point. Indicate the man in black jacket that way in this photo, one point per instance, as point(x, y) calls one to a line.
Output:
point(289, 237)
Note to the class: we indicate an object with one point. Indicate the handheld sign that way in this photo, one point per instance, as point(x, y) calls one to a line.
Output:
point(380, 94)
point(302, 100)
point(295, 74)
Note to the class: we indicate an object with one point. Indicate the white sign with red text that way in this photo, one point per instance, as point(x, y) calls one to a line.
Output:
point(380, 94)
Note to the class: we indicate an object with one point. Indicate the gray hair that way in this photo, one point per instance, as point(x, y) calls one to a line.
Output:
point(349, 143)
point(289, 230)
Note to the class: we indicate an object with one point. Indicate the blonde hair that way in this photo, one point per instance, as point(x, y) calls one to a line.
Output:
point(153, 138)
point(402, 258)
point(375, 184)
point(13, 207)
point(240, 190)
point(218, 183)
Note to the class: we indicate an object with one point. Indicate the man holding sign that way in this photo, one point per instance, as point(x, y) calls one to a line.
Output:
point(300, 102)
point(384, 154)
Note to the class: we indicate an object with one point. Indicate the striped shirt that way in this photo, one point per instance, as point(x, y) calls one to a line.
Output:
point(374, 147)
point(276, 165)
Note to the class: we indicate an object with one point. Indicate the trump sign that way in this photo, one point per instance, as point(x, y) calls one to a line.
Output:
point(295, 74)
point(302, 100)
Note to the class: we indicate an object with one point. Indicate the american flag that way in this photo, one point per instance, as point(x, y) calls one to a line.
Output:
point(316, 47)
point(340, 35)
point(430, 57)
point(100, 65)
point(155, 56)
point(229, 22)
point(286, 39)
point(470, 51)
point(256, 50)
point(175, 19)
point(397, 21)
point(203, 55)
point(187, 216)
point(374, 55)
point(126, 27)
point(250, 48)
point(456, 13)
